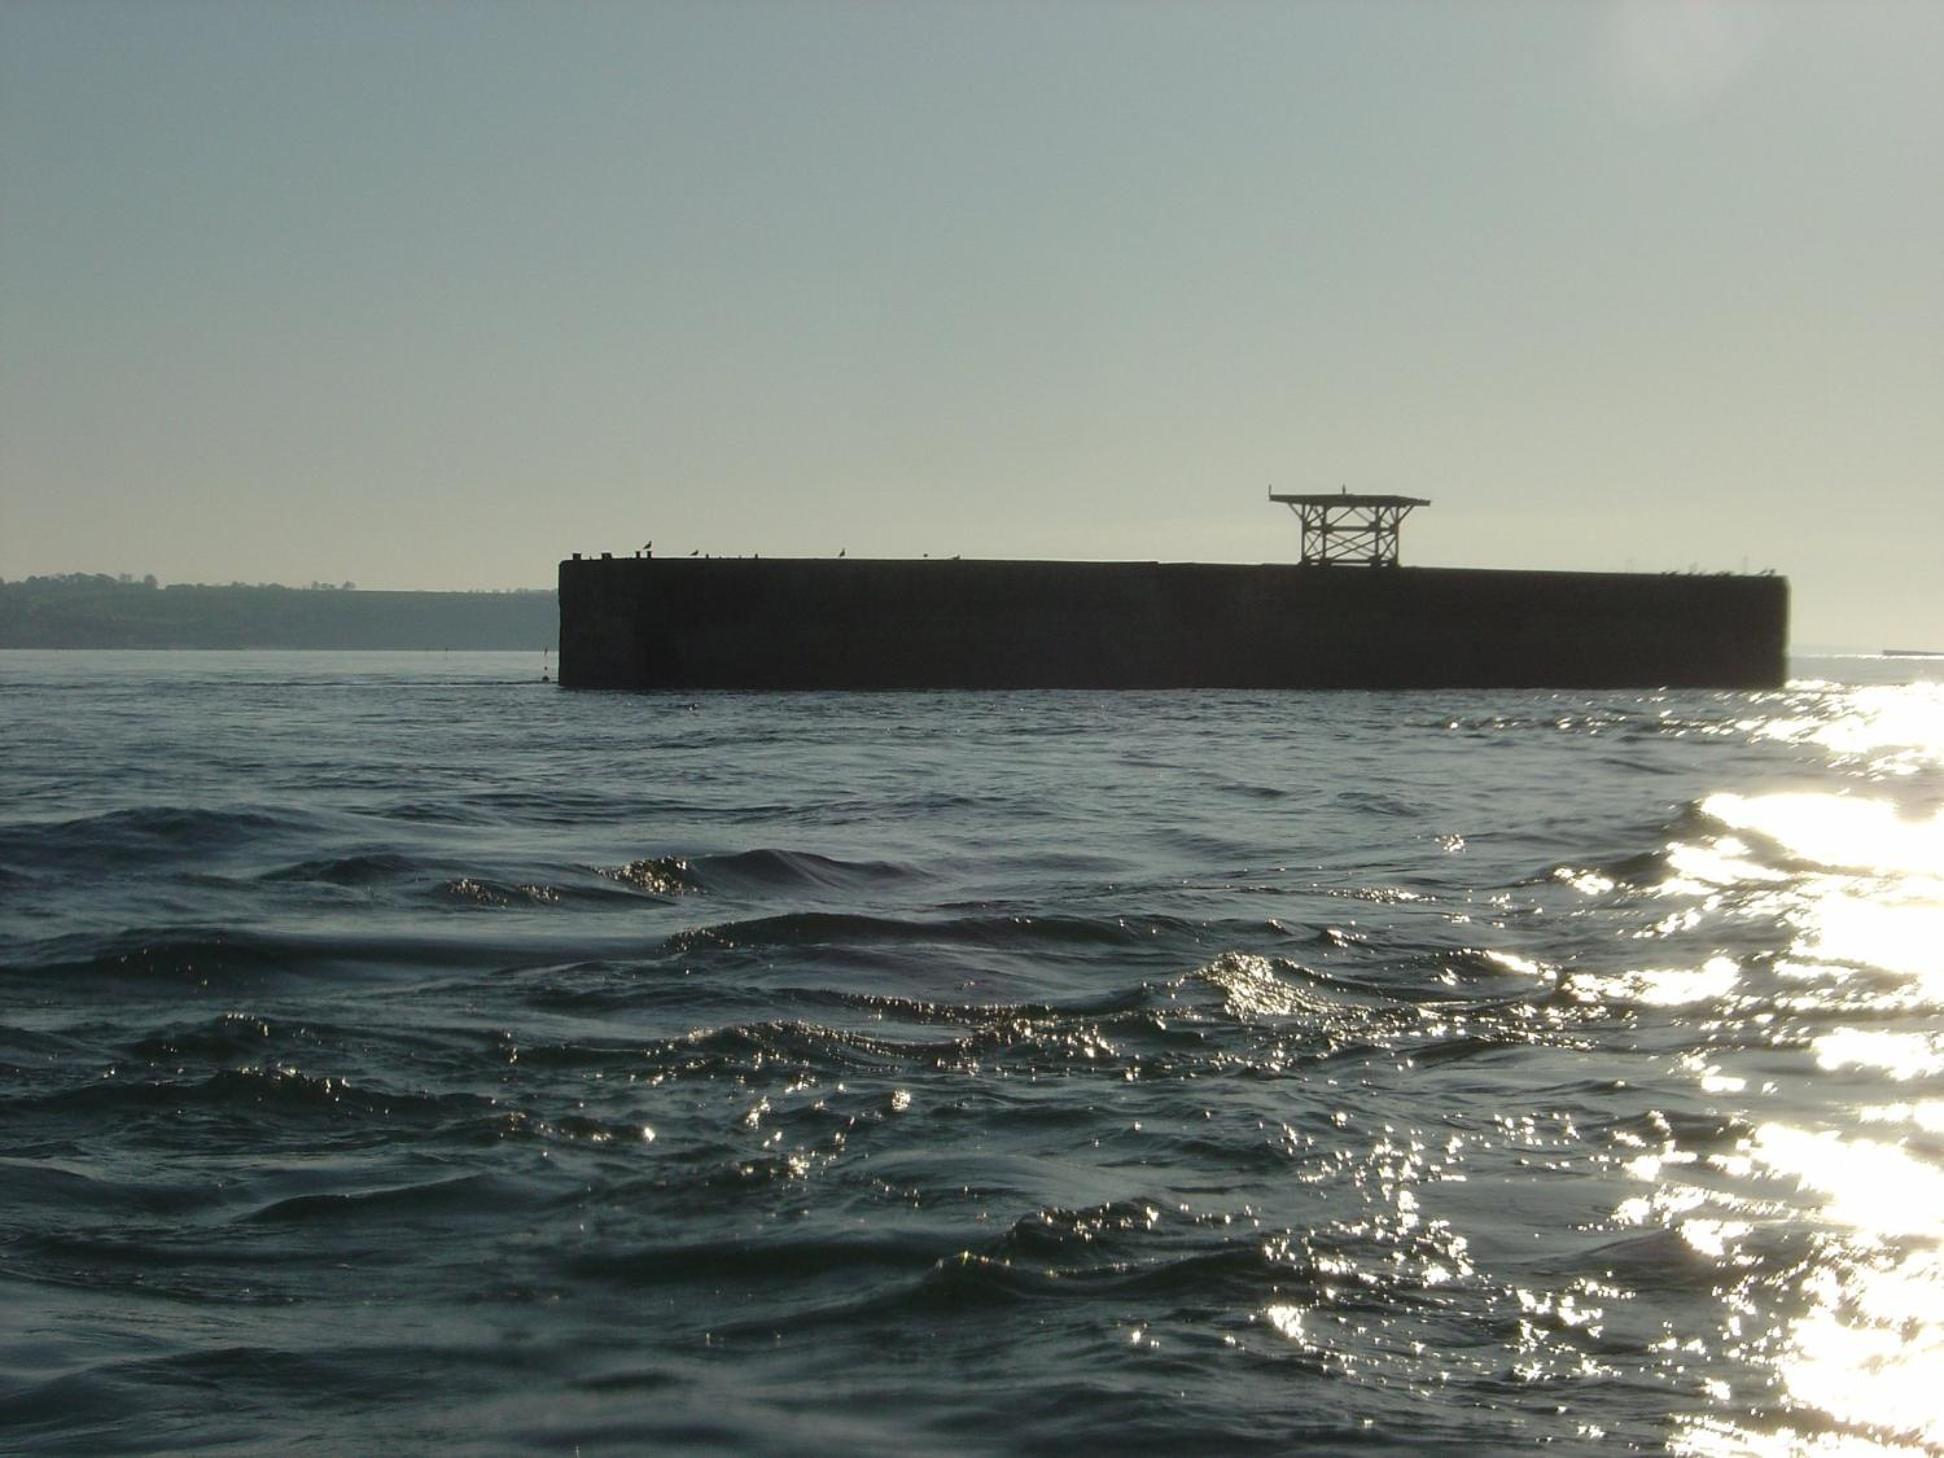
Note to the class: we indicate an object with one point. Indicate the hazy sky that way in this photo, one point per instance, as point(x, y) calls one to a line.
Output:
point(431, 295)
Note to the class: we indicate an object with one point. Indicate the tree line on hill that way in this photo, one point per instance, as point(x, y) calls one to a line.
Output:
point(96, 610)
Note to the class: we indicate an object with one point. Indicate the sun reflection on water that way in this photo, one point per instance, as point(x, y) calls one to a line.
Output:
point(1900, 1055)
point(1879, 1190)
point(1662, 986)
point(1869, 1350)
point(1774, 1250)
point(1893, 729)
point(1824, 1222)
point(1860, 1358)
point(1838, 832)
point(1868, 888)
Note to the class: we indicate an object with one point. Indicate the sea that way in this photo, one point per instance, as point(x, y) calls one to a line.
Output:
point(402, 1054)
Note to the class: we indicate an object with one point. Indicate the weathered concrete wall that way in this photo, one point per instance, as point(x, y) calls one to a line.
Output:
point(821, 623)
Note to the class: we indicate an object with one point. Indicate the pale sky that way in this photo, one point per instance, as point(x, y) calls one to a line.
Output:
point(432, 295)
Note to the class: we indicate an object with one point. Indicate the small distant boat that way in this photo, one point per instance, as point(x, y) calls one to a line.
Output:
point(1913, 653)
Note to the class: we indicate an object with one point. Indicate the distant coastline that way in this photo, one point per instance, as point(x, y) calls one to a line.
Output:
point(80, 610)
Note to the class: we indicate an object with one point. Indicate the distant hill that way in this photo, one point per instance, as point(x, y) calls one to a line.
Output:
point(83, 610)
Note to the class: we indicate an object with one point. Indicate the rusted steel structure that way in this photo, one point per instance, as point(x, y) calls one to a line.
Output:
point(1349, 530)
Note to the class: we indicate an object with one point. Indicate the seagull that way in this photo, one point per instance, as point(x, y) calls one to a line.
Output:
point(696, 553)
point(840, 551)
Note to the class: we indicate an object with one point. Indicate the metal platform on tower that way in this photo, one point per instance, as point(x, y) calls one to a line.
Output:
point(1346, 529)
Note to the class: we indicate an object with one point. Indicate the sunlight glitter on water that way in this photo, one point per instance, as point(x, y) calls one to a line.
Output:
point(1712, 981)
point(1900, 930)
point(1626, 1126)
point(1857, 1343)
point(1859, 1357)
point(1879, 1190)
point(1875, 899)
point(1895, 729)
point(1838, 832)
point(1899, 1055)
point(1869, 1349)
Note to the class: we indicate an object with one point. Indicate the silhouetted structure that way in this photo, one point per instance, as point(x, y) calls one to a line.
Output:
point(1350, 530)
point(824, 623)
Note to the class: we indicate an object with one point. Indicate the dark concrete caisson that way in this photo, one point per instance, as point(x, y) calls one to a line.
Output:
point(748, 623)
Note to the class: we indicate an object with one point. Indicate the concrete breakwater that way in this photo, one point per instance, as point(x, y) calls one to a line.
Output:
point(797, 623)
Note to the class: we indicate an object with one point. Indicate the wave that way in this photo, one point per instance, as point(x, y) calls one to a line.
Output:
point(1250, 984)
point(210, 957)
point(755, 871)
point(657, 876)
point(475, 892)
point(277, 1089)
point(1575, 715)
point(820, 928)
point(654, 878)
point(65, 1193)
point(479, 1195)
point(364, 869)
point(768, 870)
point(1635, 870)
point(134, 836)
point(782, 1258)
point(196, 955)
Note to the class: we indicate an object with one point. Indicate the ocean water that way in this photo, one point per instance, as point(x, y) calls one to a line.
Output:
point(400, 1054)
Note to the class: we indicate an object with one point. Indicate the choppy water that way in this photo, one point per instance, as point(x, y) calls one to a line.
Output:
point(397, 1054)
